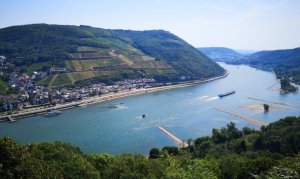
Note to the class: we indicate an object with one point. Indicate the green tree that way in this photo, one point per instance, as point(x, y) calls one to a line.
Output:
point(154, 153)
point(202, 149)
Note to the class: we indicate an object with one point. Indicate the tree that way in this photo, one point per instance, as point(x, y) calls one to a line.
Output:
point(198, 141)
point(190, 140)
point(247, 130)
point(266, 107)
point(233, 132)
point(172, 150)
point(18, 161)
point(243, 146)
point(202, 149)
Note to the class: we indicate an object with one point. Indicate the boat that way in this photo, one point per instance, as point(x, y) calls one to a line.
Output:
point(144, 115)
point(54, 112)
point(83, 105)
point(112, 106)
point(226, 94)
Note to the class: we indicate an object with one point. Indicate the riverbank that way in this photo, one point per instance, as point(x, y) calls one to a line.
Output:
point(106, 97)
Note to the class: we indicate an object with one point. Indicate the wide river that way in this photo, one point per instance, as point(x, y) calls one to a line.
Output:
point(186, 112)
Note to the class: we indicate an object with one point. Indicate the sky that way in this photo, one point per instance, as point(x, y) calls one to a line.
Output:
point(237, 24)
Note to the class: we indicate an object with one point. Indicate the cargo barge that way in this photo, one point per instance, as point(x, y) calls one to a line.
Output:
point(226, 94)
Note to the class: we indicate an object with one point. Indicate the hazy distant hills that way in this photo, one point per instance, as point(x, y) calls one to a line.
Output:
point(221, 53)
point(284, 62)
point(272, 57)
point(83, 53)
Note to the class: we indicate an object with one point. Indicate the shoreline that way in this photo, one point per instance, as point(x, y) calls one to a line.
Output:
point(103, 98)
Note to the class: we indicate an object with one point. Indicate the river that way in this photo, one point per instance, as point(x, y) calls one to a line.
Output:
point(186, 112)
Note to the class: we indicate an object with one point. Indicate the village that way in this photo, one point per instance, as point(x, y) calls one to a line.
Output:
point(29, 94)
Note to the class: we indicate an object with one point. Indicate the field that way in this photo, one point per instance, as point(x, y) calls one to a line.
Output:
point(3, 87)
point(152, 64)
point(91, 49)
point(70, 78)
point(80, 65)
point(86, 58)
point(151, 72)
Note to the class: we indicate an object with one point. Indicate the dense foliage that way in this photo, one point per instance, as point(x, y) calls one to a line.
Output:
point(163, 45)
point(286, 63)
point(271, 152)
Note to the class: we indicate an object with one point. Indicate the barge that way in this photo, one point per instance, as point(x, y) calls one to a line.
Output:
point(226, 94)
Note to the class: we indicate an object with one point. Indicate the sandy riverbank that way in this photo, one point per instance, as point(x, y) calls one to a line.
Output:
point(106, 97)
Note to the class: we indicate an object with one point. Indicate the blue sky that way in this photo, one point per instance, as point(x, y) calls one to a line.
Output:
point(238, 24)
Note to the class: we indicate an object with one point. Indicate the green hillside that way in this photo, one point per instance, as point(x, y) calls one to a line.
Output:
point(162, 45)
point(120, 53)
point(286, 63)
point(220, 53)
point(272, 152)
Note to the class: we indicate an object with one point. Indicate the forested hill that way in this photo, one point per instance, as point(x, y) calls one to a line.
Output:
point(166, 46)
point(222, 54)
point(284, 62)
point(272, 152)
point(123, 54)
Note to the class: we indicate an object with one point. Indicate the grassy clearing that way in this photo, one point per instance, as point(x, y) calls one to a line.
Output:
point(46, 80)
point(37, 66)
point(3, 87)
point(59, 80)
point(79, 65)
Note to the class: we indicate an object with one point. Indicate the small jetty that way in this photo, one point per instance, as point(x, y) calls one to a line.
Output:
point(252, 121)
point(275, 102)
point(174, 138)
point(10, 119)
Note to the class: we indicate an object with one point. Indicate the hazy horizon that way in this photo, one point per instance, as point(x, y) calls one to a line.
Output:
point(244, 25)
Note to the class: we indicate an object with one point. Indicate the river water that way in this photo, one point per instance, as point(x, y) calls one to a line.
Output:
point(186, 112)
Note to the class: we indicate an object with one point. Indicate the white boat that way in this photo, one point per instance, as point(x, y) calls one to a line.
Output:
point(53, 112)
point(83, 105)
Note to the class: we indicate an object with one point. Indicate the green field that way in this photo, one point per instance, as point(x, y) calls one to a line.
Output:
point(152, 64)
point(152, 72)
point(79, 65)
point(140, 58)
point(70, 78)
point(3, 87)
point(91, 55)
point(92, 49)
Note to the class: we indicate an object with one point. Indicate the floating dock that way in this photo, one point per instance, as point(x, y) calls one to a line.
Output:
point(252, 121)
point(174, 138)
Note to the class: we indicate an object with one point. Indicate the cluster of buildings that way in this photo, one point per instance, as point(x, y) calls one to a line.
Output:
point(31, 95)
point(28, 94)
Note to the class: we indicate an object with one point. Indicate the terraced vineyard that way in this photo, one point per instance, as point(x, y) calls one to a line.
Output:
point(90, 62)
point(71, 78)
point(161, 65)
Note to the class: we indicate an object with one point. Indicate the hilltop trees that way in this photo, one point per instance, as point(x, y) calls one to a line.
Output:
point(271, 152)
